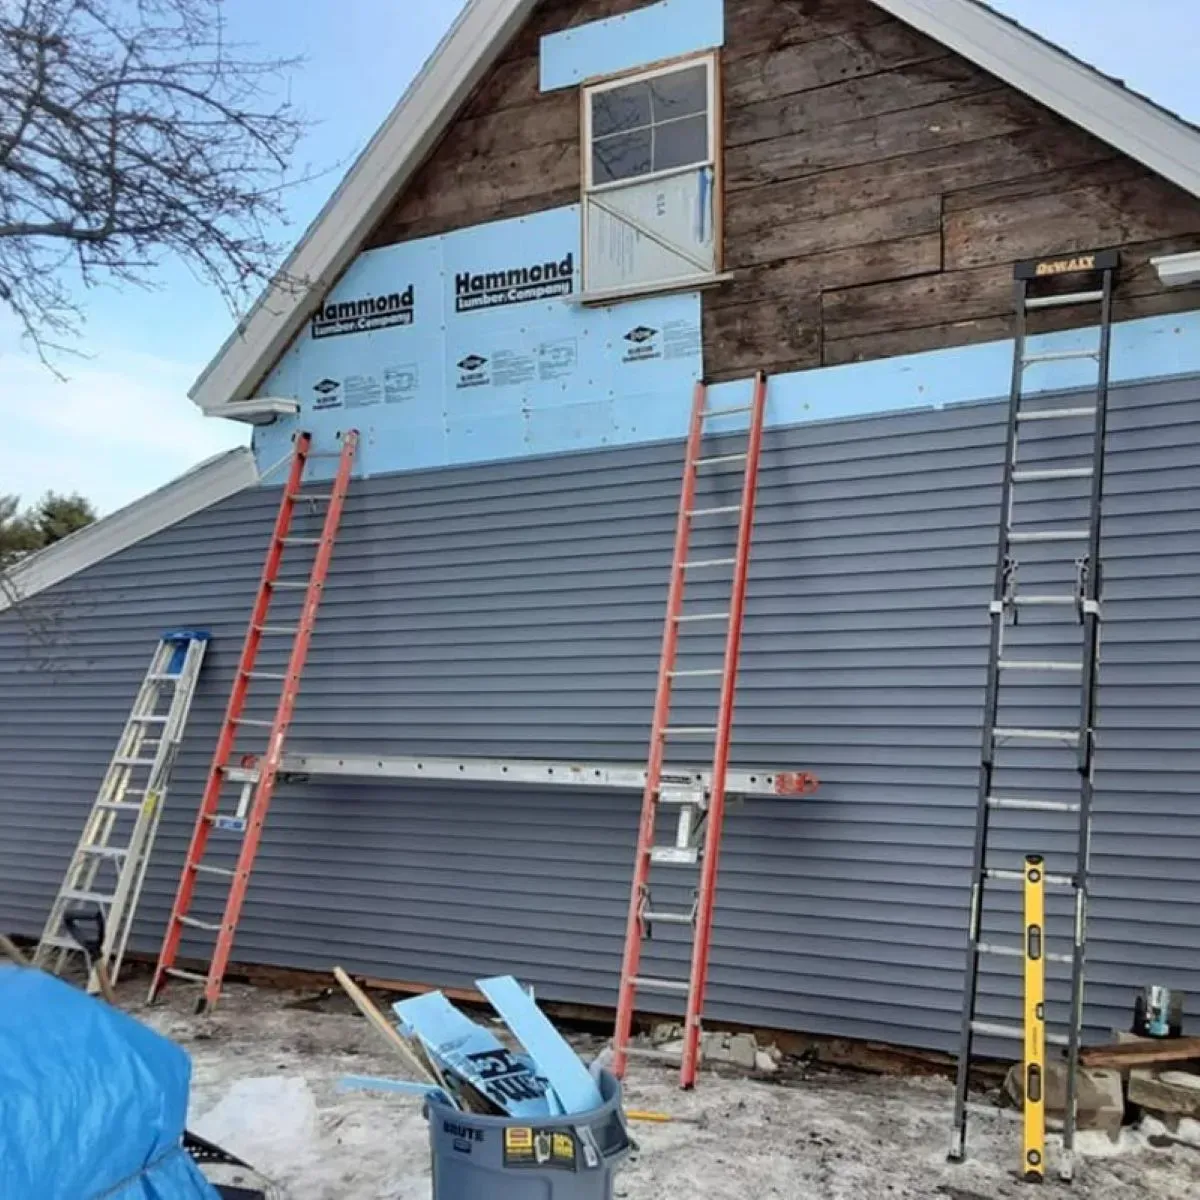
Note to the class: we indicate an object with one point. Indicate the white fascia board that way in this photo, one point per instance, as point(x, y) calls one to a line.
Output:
point(1178, 270)
point(210, 482)
point(331, 242)
point(1151, 135)
point(262, 410)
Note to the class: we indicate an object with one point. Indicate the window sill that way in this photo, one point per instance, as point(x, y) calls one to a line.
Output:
point(693, 283)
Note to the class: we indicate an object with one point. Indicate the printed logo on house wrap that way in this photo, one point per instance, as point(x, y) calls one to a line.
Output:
point(643, 344)
point(515, 285)
point(364, 314)
point(473, 371)
point(328, 393)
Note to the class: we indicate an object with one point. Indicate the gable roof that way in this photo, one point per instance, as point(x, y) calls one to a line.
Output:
point(1128, 121)
point(194, 490)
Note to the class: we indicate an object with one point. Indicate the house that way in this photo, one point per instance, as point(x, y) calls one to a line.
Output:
point(856, 179)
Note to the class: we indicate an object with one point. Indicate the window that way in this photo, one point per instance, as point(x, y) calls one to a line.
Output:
point(650, 179)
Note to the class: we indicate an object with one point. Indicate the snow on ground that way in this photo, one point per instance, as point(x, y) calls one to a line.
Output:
point(265, 1087)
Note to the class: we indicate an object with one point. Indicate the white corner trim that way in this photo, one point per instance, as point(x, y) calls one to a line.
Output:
point(684, 283)
point(262, 410)
point(197, 489)
point(390, 159)
point(1177, 270)
point(1164, 143)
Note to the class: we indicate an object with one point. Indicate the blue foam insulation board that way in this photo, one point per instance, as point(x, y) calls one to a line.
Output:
point(470, 348)
point(668, 29)
point(475, 1054)
point(554, 1059)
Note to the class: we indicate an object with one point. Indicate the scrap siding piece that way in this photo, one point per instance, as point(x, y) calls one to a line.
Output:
point(553, 1057)
point(467, 1050)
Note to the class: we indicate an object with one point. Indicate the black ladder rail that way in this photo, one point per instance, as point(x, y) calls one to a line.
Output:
point(1004, 600)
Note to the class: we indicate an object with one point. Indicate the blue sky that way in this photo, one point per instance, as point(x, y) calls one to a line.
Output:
point(122, 423)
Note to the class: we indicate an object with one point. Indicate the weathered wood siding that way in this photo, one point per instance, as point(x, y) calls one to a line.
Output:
point(878, 186)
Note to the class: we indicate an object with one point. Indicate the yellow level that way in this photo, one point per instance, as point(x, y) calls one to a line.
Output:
point(1033, 1164)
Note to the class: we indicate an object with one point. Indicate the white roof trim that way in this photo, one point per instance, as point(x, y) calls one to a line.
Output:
point(211, 481)
point(1075, 90)
point(1178, 270)
point(1155, 137)
point(331, 242)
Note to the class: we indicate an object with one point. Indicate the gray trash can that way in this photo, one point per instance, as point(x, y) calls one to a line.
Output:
point(511, 1158)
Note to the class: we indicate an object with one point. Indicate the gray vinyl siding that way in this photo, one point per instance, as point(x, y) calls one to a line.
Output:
point(515, 609)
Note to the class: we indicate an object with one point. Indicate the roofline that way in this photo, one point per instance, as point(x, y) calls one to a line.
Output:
point(331, 242)
point(1072, 88)
point(213, 480)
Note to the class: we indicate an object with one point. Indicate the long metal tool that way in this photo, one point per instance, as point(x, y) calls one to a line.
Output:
point(108, 867)
point(698, 810)
point(254, 773)
point(1058, 543)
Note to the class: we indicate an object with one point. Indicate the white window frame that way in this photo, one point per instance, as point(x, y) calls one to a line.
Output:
point(714, 162)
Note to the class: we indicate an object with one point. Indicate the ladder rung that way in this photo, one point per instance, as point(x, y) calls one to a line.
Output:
point(696, 797)
point(281, 630)
point(1063, 300)
point(995, 1029)
point(675, 856)
point(648, 983)
point(1059, 356)
point(310, 495)
point(1052, 473)
point(61, 942)
point(194, 923)
point(205, 870)
point(669, 918)
point(1039, 735)
point(254, 722)
point(301, 541)
point(276, 675)
point(1021, 664)
point(709, 562)
point(1054, 414)
point(1049, 535)
point(240, 774)
point(709, 671)
point(685, 729)
point(1002, 875)
point(295, 584)
point(86, 897)
point(1020, 804)
point(105, 851)
point(717, 616)
point(1017, 952)
point(124, 760)
point(727, 412)
point(180, 973)
point(117, 806)
point(712, 512)
point(1045, 600)
point(150, 719)
point(720, 458)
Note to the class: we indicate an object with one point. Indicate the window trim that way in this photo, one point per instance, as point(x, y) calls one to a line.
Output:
point(710, 59)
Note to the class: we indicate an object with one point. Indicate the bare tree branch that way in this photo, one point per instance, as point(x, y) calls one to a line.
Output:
point(132, 131)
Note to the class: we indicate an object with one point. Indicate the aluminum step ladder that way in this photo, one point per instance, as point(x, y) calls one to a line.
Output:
point(1078, 597)
point(109, 864)
point(699, 812)
point(253, 775)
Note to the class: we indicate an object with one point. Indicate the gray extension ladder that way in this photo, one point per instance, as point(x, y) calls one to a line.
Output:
point(108, 867)
point(1008, 602)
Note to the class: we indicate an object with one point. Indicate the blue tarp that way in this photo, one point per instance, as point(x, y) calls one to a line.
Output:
point(92, 1103)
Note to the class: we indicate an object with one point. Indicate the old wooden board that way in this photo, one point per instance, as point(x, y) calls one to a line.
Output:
point(1142, 1053)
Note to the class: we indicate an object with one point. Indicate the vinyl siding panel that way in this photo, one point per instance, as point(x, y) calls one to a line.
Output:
point(515, 609)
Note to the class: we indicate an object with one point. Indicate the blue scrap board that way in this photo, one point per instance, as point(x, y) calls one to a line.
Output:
point(469, 347)
point(668, 29)
point(476, 1055)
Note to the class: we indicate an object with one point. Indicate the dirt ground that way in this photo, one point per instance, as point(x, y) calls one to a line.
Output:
point(266, 1087)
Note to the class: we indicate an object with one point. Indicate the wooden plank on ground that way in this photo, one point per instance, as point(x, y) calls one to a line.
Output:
point(1142, 1053)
